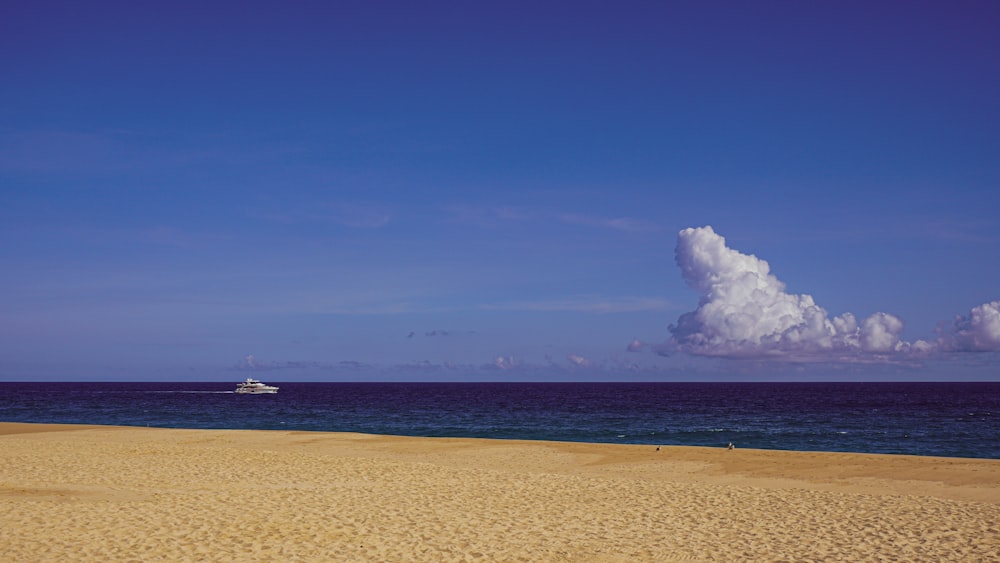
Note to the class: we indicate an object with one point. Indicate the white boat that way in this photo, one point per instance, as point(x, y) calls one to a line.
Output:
point(254, 387)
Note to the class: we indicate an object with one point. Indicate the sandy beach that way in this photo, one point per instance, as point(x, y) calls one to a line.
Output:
point(96, 493)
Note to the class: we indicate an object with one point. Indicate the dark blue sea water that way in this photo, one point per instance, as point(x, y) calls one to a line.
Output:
point(941, 419)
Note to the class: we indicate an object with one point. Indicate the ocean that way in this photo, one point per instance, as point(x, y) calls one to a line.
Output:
point(936, 419)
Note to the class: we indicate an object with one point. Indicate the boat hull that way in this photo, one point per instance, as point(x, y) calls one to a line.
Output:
point(254, 387)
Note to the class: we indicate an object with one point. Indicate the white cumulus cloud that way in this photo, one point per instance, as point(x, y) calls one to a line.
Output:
point(979, 332)
point(744, 311)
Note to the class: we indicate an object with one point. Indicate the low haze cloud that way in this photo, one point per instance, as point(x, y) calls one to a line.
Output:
point(745, 312)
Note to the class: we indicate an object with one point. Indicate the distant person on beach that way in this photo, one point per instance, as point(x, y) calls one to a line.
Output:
point(730, 446)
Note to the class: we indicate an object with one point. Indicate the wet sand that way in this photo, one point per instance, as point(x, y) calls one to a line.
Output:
point(99, 493)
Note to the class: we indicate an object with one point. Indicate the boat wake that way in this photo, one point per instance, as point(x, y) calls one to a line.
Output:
point(195, 392)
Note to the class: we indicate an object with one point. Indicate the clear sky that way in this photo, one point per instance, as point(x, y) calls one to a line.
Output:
point(500, 191)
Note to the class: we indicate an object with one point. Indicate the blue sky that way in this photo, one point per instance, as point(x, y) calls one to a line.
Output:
point(453, 190)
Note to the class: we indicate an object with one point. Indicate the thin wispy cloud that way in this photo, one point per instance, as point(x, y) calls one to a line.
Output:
point(628, 224)
point(441, 333)
point(490, 216)
point(103, 152)
point(355, 215)
point(64, 151)
point(351, 215)
point(914, 227)
point(939, 228)
point(164, 235)
point(494, 216)
point(586, 304)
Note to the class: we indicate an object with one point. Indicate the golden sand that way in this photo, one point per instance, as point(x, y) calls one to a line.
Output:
point(96, 493)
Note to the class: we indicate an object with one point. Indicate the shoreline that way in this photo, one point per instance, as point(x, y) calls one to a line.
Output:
point(108, 492)
point(56, 426)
